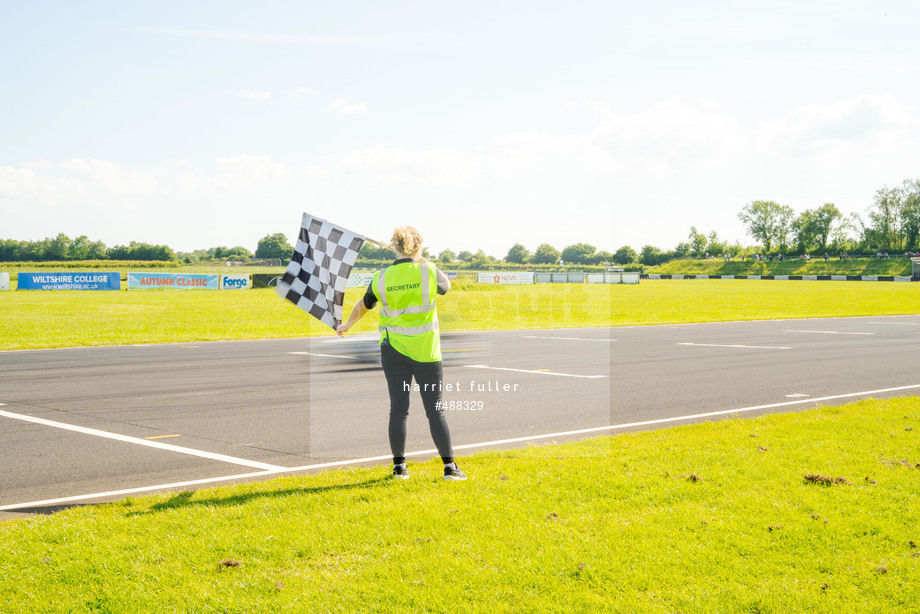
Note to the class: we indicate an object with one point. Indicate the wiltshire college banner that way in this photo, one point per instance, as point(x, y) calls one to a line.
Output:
point(69, 281)
point(172, 281)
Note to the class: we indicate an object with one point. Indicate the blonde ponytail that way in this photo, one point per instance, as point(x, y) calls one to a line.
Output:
point(407, 240)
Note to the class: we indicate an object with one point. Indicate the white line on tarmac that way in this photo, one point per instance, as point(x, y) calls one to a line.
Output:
point(563, 338)
point(897, 323)
point(756, 347)
point(141, 442)
point(370, 459)
point(537, 372)
point(324, 355)
point(824, 332)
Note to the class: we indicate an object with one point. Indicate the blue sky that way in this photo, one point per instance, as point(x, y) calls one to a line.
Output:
point(198, 124)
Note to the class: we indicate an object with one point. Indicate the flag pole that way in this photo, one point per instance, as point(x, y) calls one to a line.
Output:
point(379, 244)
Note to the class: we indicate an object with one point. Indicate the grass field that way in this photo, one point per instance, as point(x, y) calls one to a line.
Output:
point(814, 511)
point(68, 318)
point(714, 517)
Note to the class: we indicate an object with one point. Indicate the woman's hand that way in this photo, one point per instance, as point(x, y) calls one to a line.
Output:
point(341, 330)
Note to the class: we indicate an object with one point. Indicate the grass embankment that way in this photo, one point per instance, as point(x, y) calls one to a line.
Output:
point(64, 319)
point(897, 267)
point(714, 517)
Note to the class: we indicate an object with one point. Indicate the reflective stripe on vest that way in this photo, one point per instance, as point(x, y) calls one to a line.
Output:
point(415, 330)
point(425, 307)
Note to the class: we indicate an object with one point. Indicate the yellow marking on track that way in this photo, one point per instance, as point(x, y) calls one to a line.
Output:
point(162, 436)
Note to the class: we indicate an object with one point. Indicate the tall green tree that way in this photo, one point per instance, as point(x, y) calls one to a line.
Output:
point(580, 253)
point(804, 230)
point(60, 248)
point(625, 255)
point(910, 213)
point(763, 219)
point(651, 255)
point(885, 219)
point(545, 254)
point(698, 243)
point(274, 246)
point(517, 254)
point(825, 216)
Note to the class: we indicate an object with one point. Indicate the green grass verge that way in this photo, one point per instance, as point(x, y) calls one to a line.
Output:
point(900, 267)
point(714, 517)
point(37, 319)
point(64, 319)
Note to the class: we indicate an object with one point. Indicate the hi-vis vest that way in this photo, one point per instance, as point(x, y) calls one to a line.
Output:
point(406, 293)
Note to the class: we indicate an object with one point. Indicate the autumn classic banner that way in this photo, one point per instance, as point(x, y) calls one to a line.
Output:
point(172, 281)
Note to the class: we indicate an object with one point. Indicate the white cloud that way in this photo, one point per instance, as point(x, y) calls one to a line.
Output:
point(254, 95)
point(631, 178)
point(347, 108)
point(301, 92)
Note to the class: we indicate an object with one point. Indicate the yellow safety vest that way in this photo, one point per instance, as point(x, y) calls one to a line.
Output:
point(408, 318)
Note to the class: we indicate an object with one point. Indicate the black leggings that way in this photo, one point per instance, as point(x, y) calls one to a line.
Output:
point(399, 370)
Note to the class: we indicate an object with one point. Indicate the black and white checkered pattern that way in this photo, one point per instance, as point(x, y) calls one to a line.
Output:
point(316, 278)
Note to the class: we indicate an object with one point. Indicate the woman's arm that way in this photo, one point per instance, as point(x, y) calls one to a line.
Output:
point(356, 314)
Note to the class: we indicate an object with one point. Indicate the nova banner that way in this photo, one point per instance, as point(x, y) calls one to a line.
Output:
point(172, 281)
point(506, 278)
point(69, 281)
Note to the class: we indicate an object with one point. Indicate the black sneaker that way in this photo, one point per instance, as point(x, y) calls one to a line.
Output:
point(401, 472)
point(452, 472)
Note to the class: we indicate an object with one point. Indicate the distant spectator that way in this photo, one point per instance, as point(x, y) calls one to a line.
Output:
point(826, 257)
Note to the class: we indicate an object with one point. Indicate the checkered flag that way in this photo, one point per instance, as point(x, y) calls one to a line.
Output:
point(316, 278)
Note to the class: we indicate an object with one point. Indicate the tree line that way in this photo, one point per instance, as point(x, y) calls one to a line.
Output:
point(891, 224)
point(64, 249)
point(578, 253)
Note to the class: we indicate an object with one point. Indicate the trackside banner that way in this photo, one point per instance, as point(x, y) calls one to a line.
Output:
point(69, 281)
point(506, 278)
point(4, 281)
point(172, 281)
point(356, 280)
point(235, 282)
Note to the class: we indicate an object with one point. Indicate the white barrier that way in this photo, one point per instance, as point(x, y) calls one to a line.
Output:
point(4, 281)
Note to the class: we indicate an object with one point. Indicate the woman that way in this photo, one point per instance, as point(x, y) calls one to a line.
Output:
point(410, 344)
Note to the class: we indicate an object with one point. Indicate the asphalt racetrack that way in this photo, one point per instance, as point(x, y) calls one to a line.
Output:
point(86, 425)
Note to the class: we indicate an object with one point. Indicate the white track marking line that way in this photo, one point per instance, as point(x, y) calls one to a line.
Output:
point(370, 459)
point(324, 355)
point(537, 372)
point(564, 338)
point(897, 323)
point(756, 347)
point(824, 332)
point(141, 442)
